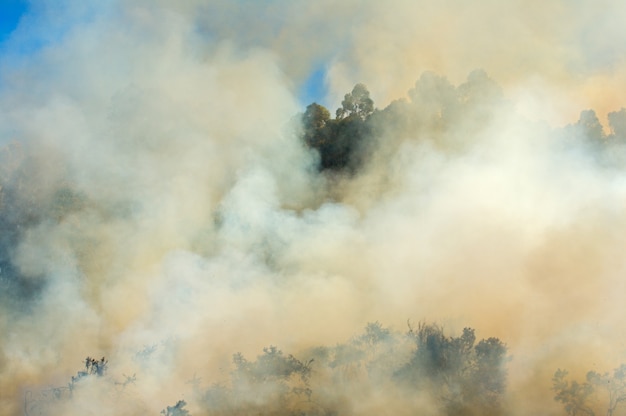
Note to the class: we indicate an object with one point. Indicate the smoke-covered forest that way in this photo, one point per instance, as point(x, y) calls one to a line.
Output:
point(313, 208)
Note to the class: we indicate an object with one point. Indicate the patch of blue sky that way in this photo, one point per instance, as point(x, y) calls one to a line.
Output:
point(314, 89)
point(11, 12)
point(30, 25)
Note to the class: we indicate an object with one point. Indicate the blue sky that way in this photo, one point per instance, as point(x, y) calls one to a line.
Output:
point(312, 90)
point(10, 13)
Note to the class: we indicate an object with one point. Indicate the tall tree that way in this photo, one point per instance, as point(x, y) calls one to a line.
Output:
point(315, 117)
point(339, 141)
point(356, 103)
point(574, 396)
point(617, 123)
point(590, 126)
point(470, 378)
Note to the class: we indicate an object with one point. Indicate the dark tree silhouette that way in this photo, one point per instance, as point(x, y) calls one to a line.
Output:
point(470, 378)
point(340, 141)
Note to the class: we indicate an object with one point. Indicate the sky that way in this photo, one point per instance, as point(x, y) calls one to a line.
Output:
point(312, 89)
point(11, 13)
point(12, 10)
point(577, 44)
point(155, 189)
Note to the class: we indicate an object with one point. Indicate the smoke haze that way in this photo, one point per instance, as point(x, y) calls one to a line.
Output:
point(158, 207)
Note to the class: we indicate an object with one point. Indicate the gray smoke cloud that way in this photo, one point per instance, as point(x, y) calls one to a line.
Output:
point(158, 207)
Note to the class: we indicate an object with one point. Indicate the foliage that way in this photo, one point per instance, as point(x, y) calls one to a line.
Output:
point(435, 103)
point(314, 120)
point(177, 410)
point(436, 111)
point(36, 402)
point(462, 376)
point(272, 382)
point(574, 396)
point(374, 334)
point(340, 141)
point(93, 367)
point(577, 397)
point(356, 103)
point(589, 126)
point(614, 385)
point(617, 124)
point(271, 365)
point(470, 378)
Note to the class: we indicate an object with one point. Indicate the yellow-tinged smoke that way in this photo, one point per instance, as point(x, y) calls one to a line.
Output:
point(156, 200)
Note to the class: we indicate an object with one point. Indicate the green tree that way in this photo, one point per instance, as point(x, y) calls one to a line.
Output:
point(356, 103)
point(314, 120)
point(344, 147)
point(340, 141)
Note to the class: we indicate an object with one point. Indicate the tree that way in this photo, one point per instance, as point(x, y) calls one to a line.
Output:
point(177, 410)
point(614, 385)
point(574, 396)
point(36, 401)
point(469, 378)
point(356, 103)
point(339, 141)
point(272, 382)
point(590, 126)
point(479, 89)
point(92, 367)
point(343, 147)
point(374, 334)
point(435, 100)
point(617, 123)
point(314, 120)
point(489, 375)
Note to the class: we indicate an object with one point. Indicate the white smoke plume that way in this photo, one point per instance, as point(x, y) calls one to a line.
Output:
point(158, 207)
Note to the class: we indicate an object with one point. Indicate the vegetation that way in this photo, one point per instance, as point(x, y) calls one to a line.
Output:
point(469, 377)
point(35, 403)
point(598, 391)
point(177, 410)
point(340, 142)
point(459, 375)
point(437, 112)
point(435, 108)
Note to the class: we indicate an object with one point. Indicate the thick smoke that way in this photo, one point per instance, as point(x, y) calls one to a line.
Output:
point(159, 208)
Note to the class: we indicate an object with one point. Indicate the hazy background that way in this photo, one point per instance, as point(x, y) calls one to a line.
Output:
point(154, 190)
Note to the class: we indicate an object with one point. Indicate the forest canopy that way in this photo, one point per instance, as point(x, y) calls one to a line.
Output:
point(456, 374)
point(434, 111)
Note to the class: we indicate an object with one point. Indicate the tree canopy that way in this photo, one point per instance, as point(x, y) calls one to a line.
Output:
point(340, 142)
point(356, 103)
